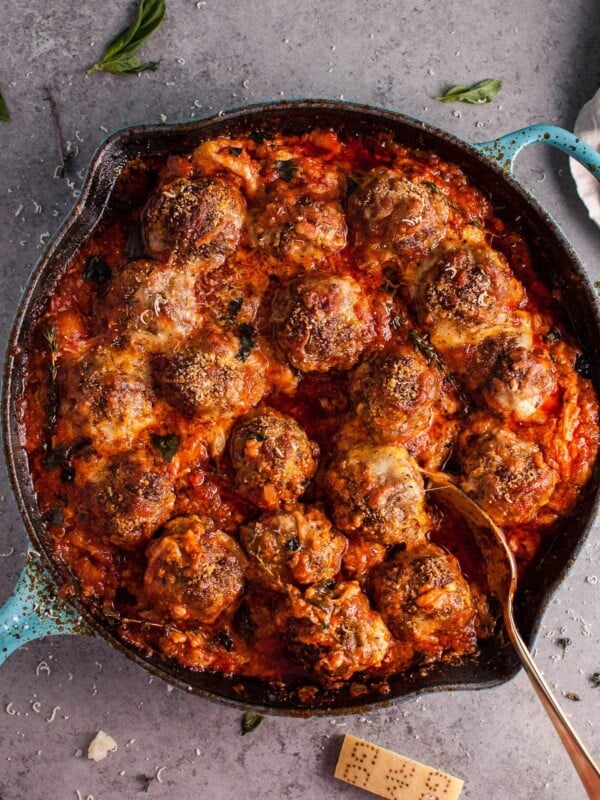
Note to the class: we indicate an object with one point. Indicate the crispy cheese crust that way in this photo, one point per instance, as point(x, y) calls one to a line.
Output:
point(236, 383)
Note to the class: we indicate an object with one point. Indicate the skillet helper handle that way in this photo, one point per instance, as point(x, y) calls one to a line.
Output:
point(33, 610)
point(582, 761)
point(505, 149)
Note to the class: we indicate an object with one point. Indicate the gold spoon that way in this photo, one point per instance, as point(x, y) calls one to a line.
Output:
point(501, 574)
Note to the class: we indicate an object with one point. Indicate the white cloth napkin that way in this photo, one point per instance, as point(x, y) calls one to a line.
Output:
point(587, 127)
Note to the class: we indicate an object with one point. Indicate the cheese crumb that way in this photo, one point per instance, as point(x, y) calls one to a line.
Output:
point(101, 745)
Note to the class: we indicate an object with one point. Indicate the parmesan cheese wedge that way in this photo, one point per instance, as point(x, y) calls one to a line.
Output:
point(390, 775)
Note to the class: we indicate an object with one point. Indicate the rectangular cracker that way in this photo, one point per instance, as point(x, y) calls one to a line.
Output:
point(390, 775)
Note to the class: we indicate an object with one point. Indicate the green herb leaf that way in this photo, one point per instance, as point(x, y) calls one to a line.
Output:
point(286, 169)
point(234, 308)
point(292, 544)
point(4, 112)
point(119, 56)
point(595, 679)
point(479, 93)
point(563, 642)
point(129, 65)
point(553, 336)
point(246, 335)
point(436, 189)
point(96, 270)
point(146, 782)
point(166, 445)
point(224, 639)
point(583, 366)
point(250, 721)
point(55, 517)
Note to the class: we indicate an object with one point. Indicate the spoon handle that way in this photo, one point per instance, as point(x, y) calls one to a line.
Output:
point(582, 761)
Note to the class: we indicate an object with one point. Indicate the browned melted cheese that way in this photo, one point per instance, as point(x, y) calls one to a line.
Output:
point(233, 386)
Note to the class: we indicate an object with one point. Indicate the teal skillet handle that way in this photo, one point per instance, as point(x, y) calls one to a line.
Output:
point(33, 610)
point(505, 149)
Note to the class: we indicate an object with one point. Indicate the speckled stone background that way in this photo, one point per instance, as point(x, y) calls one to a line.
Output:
point(219, 55)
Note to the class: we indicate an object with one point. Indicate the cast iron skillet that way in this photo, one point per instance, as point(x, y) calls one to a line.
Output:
point(34, 609)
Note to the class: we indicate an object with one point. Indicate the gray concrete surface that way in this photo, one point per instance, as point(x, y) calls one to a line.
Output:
point(218, 55)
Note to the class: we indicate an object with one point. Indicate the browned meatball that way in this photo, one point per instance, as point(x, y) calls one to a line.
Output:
point(394, 392)
point(390, 210)
point(425, 601)
point(468, 288)
point(299, 228)
point(214, 374)
point(299, 546)
point(133, 496)
point(273, 458)
point(511, 379)
point(332, 631)
point(505, 474)
point(321, 322)
point(194, 571)
point(195, 221)
point(153, 303)
point(378, 491)
point(106, 397)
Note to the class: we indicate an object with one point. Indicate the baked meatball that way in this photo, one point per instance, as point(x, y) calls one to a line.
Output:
point(195, 221)
point(132, 498)
point(152, 303)
point(511, 379)
point(331, 630)
point(299, 546)
point(394, 392)
point(466, 290)
point(398, 214)
point(194, 571)
point(273, 458)
point(299, 228)
point(214, 374)
point(321, 322)
point(378, 492)
point(106, 397)
point(425, 601)
point(505, 474)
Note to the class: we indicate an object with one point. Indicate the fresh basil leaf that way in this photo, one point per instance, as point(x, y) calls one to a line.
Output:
point(119, 57)
point(477, 94)
point(166, 445)
point(129, 65)
point(4, 112)
point(250, 721)
point(150, 13)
